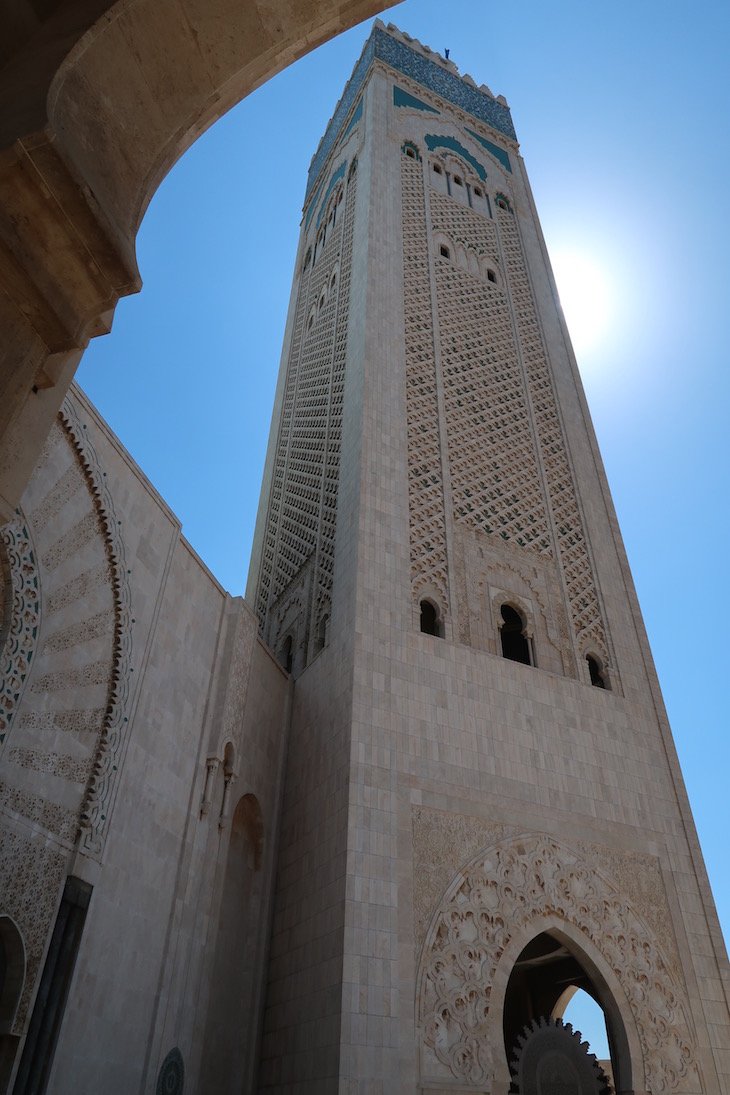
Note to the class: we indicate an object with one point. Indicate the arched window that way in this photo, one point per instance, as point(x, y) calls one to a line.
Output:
point(477, 192)
point(438, 169)
point(515, 643)
point(598, 676)
point(286, 654)
point(444, 251)
point(491, 276)
point(333, 282)
point(431, 623)
point(457, 180)
point(307, 259)
point(502, 203)
point(410, 150)
point(321, 638)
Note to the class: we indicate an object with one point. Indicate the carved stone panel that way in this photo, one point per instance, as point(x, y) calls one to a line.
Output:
point(509, 889)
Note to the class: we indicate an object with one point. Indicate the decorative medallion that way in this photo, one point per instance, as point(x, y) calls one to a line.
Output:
point(171, 1079)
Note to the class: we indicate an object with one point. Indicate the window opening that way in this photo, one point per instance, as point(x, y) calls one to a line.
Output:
point(458, 181)
point(515, 645)
point(286, 657)
point(321, 640)
point(430, 619)
point(437, 169)
point(334, 279)
point(598, 679)
point(443, 250)
point(491, 276)
point(477, 192)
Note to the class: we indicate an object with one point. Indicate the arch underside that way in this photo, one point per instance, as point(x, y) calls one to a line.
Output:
point(98, 100)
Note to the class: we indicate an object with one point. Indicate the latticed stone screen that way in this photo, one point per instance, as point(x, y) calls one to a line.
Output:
point(425, 471)
point(484, 434)
point(295, 585)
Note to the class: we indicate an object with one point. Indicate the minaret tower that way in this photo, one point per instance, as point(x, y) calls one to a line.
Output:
point(483, 808)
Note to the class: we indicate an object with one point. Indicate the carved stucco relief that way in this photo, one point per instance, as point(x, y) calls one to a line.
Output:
point(510, 888)
point(31, 873)
point(66, 645)
point(20, 621)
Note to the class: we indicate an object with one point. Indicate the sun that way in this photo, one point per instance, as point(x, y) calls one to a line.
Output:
point(585, 296)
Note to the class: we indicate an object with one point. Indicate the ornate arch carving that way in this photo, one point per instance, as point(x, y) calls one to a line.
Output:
point(514, 888)
point(96, 805)
point(21, 614)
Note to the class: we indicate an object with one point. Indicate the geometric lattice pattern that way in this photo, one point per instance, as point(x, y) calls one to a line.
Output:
point(425, 471)
point(574, 557)
point(505, 461)
point(300, 528)
point(495, 478)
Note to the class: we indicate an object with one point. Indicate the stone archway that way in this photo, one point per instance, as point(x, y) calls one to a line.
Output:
point(507, 895)
point(231, 1033)
point(551, 961)
point(98, 100)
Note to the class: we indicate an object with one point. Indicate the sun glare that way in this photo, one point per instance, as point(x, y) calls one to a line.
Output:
point(585, 296)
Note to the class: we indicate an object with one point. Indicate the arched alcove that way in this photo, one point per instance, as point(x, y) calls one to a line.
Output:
point(230, 1034)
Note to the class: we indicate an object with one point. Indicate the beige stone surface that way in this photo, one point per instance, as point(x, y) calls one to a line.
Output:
point(148, 712)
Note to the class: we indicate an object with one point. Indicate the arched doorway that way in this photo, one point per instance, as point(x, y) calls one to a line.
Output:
point(12, 976)
point(543, 1052)
point(230, 1033)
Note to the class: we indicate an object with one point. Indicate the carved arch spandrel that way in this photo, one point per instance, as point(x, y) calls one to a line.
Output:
point(518, 888)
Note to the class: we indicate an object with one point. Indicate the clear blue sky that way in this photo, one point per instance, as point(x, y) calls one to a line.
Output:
point(622, 114)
